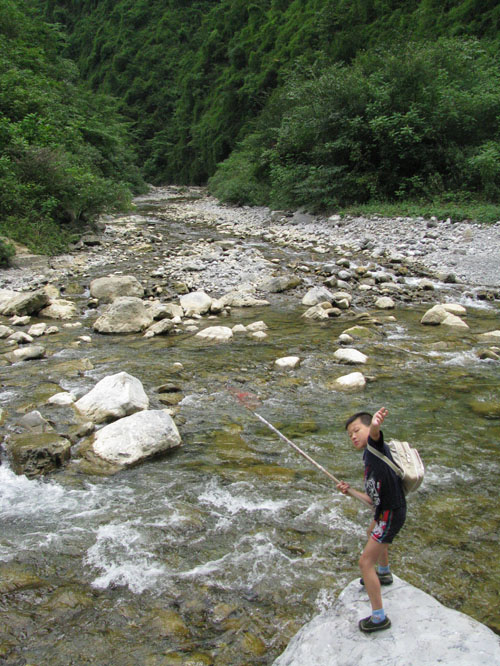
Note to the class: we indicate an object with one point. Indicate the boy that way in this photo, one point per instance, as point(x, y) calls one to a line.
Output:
point(385, 491)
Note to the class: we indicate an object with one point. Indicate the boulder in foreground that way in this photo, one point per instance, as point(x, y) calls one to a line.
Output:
point(423, 633)
point(136, 437)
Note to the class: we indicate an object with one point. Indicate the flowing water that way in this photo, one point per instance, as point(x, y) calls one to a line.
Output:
point(220, 551)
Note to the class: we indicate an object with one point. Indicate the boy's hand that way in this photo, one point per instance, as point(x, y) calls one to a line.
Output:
point(343, 486)
point(377, 420)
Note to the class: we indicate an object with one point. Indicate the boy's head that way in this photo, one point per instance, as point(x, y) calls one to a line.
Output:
point(358, 429)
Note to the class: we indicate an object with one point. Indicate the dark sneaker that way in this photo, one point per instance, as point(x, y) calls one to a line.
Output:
point(367, 625)
point(384, 578)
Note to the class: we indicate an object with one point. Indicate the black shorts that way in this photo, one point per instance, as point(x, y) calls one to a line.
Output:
point(388, 525)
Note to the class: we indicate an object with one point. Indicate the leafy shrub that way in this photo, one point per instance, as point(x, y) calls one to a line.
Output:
point(7, 251)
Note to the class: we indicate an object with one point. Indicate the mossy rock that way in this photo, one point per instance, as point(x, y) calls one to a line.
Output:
point(14, 577)
point(486, 409)
point(36, 454)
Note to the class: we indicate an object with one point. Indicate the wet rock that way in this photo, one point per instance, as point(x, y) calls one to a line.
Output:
point(107, 289)
point(62, 399)
point(22, 303)
point(321, 312)
point(280, 283)
point(21, 338)
point(444, 635)
point(35, 422)
point(350, 356)
point(59, 309)
point(257, 326)
point(487, 409)
point(168, 624)
point(196, 302)
point(113, 397)
point(352, 381)
point(38, 454)
point(359, 332)
point(5, 331)
point(37, 330)
point(14, 576)
point(287, 362)
point(136, 437)
point(454, 322)
point(162, 327)
point(125, 314)
point(490, 336)
point(29, 353)
point(385, 303)
point(216, 334)
point(435, 316)
point(242, 299)
point(317, 295)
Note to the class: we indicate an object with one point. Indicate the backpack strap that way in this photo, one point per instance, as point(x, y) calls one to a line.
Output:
point(397, 470)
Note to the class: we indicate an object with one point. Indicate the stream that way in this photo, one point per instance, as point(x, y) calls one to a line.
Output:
point(218, 552)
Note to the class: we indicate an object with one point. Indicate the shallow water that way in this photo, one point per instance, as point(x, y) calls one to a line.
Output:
point(220, 551)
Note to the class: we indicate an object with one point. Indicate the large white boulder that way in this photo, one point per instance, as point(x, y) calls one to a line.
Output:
point(350, 355)
point(490, 336)
point(317, 295)
point(196, 302)
point(423, 633)
point(113, 397)
point(136, 437)
point(22, 303)
point(126, 314)
point(216, 333)
point(350, 382)
point(106, 289)
point(59, 309)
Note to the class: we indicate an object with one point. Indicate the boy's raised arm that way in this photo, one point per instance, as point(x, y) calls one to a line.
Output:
point(377, 420)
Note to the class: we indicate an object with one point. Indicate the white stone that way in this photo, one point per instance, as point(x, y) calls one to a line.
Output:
point(434, 316)
point(350, 355)
point(239, 328)
point(126, 314)
point(37, 330)
point(454, 321)
point(60, 309)
point(287, 362)
point(216, 333)
point(62, 399)
point(113, 397)
point(346, 339)
point(385, 303)
point(106, 289)
point(26, 353)
point(423, 633)
point(490, 336)
point(196, 302)
point(317, 295)
point(136, 437)
point(455, 308)
point(355, 380)
point(257, 326)
point(5, 331)
point(259, 335)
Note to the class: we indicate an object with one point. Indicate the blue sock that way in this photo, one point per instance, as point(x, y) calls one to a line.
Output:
point(378, 616)
point(383, 570)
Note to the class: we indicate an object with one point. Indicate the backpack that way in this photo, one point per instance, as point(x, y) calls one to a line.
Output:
point(407, 463)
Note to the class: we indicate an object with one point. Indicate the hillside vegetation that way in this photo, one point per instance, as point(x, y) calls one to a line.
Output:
point(320, 104)
point(65, 155)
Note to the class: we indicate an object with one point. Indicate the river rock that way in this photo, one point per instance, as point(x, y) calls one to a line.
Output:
point(59, 309)
point(37, 330)
point(216, 333)
point(159, 328)
point(126, 314)
point(62, 399)
point(317, 295)
point(257, 326)
point(195, 303)
point(352, 381)
point(42, 453)
point(21, 338)
point(23, 303)
point(5, 331)
point(287, 362)
point(321, 312)
point(342, 300)
point(136, 437)
point(350, 356)
point(107, 289)
point(280, 283)
point(435, 316)
point(454, 322)
point(113, 397)
point(242, 299)
point(423, 633)
point(385, 303)
point(27, 353)
point(490, 336)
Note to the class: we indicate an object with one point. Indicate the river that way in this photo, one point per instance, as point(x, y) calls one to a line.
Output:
point(218, 552)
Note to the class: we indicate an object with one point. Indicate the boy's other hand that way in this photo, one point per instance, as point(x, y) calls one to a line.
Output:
point(378, 417)
point(343, 486)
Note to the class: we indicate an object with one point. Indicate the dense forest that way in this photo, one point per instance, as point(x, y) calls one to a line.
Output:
point(320, 104)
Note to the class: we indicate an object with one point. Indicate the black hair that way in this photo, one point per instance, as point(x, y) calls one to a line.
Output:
point(364, 417)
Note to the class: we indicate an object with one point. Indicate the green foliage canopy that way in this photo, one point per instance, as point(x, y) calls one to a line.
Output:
point(64, 151)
